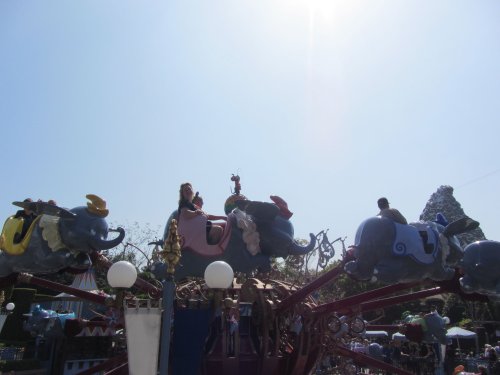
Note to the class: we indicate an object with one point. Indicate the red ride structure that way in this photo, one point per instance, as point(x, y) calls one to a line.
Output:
point(268, 340)
point(259, 325)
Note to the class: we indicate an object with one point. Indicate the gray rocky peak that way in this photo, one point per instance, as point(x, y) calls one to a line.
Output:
point(444, 202)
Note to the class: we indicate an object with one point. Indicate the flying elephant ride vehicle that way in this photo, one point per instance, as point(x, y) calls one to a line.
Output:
point(57, 238)
point(253, 233)
point(481, 273)
point(391, 252)
point(261, 324)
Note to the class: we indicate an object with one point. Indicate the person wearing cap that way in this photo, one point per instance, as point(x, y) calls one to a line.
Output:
point(390, 213)
point(28, 216)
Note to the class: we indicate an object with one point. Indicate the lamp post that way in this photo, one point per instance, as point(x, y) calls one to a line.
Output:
point(219, 275)
point(171, 255)
point(121, 275)
point(8, 307)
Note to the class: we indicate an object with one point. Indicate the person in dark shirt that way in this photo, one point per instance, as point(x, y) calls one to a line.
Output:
point(390, 213)
point(28, 216)
point(395, 352)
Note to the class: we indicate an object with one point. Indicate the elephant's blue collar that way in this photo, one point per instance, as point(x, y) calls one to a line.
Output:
point(408, 242)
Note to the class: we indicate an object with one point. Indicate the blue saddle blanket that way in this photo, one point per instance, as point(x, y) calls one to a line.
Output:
point(410, 239)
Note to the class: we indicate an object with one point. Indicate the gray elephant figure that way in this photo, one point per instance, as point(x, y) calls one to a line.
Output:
point(46, 323)
point(57, 239)
point(375, 350)
point(391, 252)
point(253, 233)
point(481, 267)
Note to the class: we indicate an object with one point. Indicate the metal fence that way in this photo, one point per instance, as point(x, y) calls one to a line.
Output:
point(11, 354)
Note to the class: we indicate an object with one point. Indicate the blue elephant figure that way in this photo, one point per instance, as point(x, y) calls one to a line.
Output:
point(254, 232)
point(481, 267)
point(57, 239)
point(391, 252)
point(47, 323)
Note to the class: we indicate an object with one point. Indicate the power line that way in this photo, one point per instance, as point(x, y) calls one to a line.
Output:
point(478, 178)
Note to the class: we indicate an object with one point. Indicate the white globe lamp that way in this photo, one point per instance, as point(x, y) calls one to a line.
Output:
point(219, 275)
point(10, 306)
point(122, 274)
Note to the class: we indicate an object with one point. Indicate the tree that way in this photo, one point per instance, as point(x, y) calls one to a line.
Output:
point(134, 248)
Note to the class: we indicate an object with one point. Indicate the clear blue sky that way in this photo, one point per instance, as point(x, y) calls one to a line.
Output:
point(329, 104)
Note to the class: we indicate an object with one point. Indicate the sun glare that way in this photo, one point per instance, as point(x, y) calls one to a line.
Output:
point(329, 27)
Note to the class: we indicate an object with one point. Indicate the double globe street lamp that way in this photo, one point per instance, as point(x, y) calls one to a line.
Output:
point(143, 320)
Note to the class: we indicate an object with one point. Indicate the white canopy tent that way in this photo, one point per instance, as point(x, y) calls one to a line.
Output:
point(460, 333)
point(369, 334)
point(399, 337)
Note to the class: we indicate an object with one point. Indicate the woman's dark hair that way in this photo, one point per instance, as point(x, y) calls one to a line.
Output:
point(181, 197)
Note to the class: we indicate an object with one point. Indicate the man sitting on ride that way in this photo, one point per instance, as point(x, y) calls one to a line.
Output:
point(390, 213)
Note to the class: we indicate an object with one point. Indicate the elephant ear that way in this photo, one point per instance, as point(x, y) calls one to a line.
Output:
point(260, 210)
point(43, 208)
point(462, 225)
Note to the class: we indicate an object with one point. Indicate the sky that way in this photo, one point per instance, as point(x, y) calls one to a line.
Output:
point(328, 104)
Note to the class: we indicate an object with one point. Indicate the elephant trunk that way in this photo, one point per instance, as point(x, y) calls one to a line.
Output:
point(100, 244)
point(296, 249)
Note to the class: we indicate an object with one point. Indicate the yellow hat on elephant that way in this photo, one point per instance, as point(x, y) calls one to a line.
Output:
point(97, 205)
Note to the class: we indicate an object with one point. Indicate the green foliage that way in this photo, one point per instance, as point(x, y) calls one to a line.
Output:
point(465, 323)
point(135, 248)
point(454, 308)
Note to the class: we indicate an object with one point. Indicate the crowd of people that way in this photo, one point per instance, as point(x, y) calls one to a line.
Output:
point(460, 362)
point(419, 358)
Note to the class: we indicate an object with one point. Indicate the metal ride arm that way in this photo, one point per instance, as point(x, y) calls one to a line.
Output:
point(302, 293)
point(349, 302)
point(382, 327)
point(384, 302)
point(371, 362)
point(30, 279)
